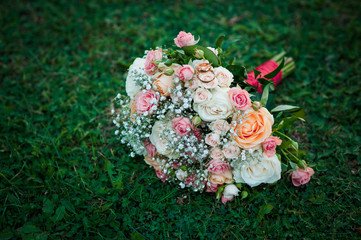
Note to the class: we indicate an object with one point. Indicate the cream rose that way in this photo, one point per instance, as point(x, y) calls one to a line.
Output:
point(201, 95)
point(131, 86)
point(218, 107)
point(159, 138)
point(224, 76)
point(260, 169)
point(205, 76)
point(231, 150)
point(220, 126)
point(212, 139)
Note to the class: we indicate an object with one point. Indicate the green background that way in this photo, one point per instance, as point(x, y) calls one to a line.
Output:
point(64, 175)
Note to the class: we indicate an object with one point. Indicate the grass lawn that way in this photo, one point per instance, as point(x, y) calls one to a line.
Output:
point(63, 175)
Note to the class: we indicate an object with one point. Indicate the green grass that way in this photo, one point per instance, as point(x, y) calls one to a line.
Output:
point(64, 175)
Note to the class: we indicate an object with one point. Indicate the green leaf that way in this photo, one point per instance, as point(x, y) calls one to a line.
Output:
point(68, 206)
point(238, 70)
point(48, 207)
point(293, 165)
point(265, 94)
point(208, 54)
point(59, 214)
point(219, 41)
point(276, 71)
point(30, 228)
point(244, 194)
point(239, 185)
point(219, 192)
point(283, 108)
point(256, 73)
point(265, 209)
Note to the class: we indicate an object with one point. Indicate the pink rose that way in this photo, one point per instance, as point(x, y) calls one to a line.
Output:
point(182, 125)
point(161, 175)
point(145, 101)
point(185, 72)
point(212, 187)
point(270, 144)
point(301, 176)
point(226, 199)
point(198, 133)
point(216, 153)
point(217, 166)
point(184, 39)
point(212, 139)
point(220, 126)
point(152, 56)
point(231, 150)
point(239, 98)
point(151, 149)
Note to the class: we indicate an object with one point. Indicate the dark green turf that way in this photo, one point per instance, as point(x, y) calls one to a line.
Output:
point(63, 174)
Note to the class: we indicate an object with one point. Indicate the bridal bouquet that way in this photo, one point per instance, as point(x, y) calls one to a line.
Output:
point(202, 123)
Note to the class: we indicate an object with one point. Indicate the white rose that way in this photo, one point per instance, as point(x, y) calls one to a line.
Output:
point(260, 169)
point(224, 76)
point(181, 175)
point(231, 150)
point(201, 95)
point(159, 138)
point(218, 107)
point(130, 85)
point(230, 191)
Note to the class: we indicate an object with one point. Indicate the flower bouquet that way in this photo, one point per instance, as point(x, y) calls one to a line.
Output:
point(205, 124)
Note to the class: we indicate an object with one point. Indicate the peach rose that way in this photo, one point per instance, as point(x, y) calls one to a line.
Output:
point(270, 144)
point(216, 153)
point(217, 166)
point(231, 150)
point(151, 161)
point(220, 126)
point(162, 83)
point(202, 95)
point(220, 179)
point(150, 66)
point(301, 176)
point(240, 98)
point(145, 101)
point(184, 39)
point(252, 128)
point(185, 73)
point(212, 139)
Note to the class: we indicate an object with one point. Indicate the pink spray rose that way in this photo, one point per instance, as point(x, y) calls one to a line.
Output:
point(161, 175)
point(198, 133)
point(270, 144)
point(182, 125)
point(145, 101)
point(226, 199)
point(301, 176)
point(152, 56)
point(217, 166)
point(185, 72)
point(212, 187)
point(151, 149)
point(240, 98)
point(184, 39)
